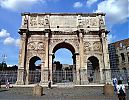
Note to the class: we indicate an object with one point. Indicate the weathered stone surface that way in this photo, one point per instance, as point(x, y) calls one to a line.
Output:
point(38, 90)
point(83, 34)
point(108, 90)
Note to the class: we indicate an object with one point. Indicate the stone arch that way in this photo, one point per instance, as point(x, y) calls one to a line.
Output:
point(32, 61)
point(67, 46)
point(98, 56)
point(93, 69)
point(74, 48)
point(69, 73)
point(64, 45)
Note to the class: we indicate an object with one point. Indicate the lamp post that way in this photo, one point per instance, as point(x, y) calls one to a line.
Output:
point(4, 57)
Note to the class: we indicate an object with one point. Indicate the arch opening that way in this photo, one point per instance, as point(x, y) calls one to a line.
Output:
point(93, 72)
point(123, 57)
point(63, 63)
point(34, 70)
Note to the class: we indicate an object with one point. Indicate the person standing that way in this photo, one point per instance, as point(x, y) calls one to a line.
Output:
point(121, 91)
point(115, 84)
point(49, 84)
point(7, 84)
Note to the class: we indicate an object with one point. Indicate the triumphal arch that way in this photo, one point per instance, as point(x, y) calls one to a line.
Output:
point(84, 34)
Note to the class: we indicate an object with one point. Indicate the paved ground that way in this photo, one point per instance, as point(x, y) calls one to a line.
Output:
point(76, 93)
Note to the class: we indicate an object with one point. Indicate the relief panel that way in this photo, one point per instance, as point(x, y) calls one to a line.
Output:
point(87, 47)
point(97, 46)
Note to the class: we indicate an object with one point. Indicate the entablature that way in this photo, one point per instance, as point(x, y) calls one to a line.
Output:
point(65, 22)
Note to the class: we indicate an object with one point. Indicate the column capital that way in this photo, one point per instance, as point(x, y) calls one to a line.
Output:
point(51, 54)
point(80, 34)
point(46, 34)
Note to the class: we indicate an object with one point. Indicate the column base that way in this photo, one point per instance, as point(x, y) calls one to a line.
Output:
point(19, 82)
point(44, 77)
point(20, 77)
point(83, 77)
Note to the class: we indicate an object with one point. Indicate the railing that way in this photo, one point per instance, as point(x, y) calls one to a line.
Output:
point(10, 76)
point(34, 76)
point(62, 76)
point(84, 77)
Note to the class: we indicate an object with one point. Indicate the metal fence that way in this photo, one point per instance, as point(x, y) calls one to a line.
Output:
point(10, 76)
point(65, 76)
point(34, 76)
point(120, 75)
point(62, 76)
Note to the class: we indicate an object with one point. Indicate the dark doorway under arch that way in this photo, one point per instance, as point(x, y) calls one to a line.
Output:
point(34, 70)
point(93, 72)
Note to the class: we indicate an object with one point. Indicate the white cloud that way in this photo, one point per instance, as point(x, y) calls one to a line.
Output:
point(18, 4)
point(90, 2)
point(9, 41)
point(77, 5)
point(17, 42)
point(110, 38)
point(116, 10)
point(4, 33)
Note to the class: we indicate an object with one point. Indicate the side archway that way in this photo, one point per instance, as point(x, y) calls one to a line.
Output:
point(34, 70)
point(93, 69)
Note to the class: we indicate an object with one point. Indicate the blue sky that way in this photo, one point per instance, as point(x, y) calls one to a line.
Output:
point(117, 17)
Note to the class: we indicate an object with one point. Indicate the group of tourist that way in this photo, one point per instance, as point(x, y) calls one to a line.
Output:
point(120, 89)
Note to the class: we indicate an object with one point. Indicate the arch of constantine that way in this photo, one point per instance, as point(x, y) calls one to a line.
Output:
point(84, 35)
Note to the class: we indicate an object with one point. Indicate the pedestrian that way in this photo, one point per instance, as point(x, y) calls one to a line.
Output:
point(7, 84)
point(49, 84)
point(115, 84)
point(0, 83)
point(121, 91)
point(128, 83)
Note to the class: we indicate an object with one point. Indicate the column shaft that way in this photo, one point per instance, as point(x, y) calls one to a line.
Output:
point(22, 60)
point(106, 58)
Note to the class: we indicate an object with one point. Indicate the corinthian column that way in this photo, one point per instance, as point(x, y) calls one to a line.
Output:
point(22, 60)
point(81, 50)
point(47, 50)
point(106, 58)
point(45, 68)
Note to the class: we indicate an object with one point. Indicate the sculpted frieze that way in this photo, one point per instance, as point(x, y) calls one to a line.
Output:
point(87, 46)
point(31, 46)
point(36, 46)
point(25, 21)
point(101, 22)
point(97, 46)
point(41, 20)
point(41, 46)
point(54, 41)
point(87, 21)
point(36, 38)
point(33, 20)
point(93, 22)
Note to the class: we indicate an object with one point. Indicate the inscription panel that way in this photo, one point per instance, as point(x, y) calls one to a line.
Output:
point(63, 21)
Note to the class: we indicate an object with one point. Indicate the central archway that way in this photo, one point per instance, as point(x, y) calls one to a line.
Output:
point(62, 72)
